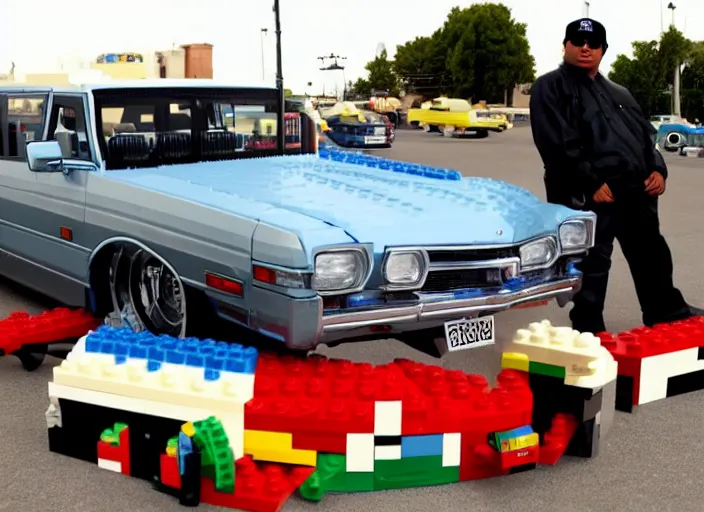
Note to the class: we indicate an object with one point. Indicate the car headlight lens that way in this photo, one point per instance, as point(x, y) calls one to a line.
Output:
point(575, 235)
point(537, 253)
point(339, 270)
point(405, 269)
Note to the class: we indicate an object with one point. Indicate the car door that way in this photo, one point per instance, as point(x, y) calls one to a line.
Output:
point(61, 196)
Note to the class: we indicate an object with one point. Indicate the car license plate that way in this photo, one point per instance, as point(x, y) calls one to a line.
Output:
point(380, 130)
point(469, 333)
point(375, 140)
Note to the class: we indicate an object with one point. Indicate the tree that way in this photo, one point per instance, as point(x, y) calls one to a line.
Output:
point(479, 52)
point(381, 77)
point(693, 84)
point(650, 73)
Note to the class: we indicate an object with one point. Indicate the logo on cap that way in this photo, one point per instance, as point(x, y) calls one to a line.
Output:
point(586, 26)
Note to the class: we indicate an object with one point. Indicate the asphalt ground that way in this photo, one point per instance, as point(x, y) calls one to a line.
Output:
point(650, 461)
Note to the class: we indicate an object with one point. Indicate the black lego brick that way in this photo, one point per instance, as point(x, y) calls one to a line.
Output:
point(82, 425)
point(189, 494)
point(521, 469)
point(387, 440)
point(624, 393)
point(686, 383)
point(585, 441)
point(700, 355)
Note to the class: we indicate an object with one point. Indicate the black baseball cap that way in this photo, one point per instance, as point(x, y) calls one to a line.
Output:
point(586, 30)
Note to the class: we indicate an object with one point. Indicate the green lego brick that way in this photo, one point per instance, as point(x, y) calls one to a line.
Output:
point(217, 460)
point(413, 472)
point(331, 476)
point(548, 370)
point(112, 435)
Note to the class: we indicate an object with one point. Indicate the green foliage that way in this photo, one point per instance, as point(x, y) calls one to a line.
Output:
point(480, 52)
point(650, 73)
point(381, 77)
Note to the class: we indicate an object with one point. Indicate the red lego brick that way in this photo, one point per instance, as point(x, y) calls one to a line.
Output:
point(59, 324)
point(555, 441)
point(320, 396)
point(259, 487)
point(119, 454)
point(170, 475)
point(320, 442)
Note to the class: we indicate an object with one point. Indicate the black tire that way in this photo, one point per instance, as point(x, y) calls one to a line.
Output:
point(31, 357)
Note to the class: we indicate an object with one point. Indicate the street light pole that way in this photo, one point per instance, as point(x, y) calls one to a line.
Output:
point(676, 105)
point(586, 9)
point(280, 118)
point(264, 32)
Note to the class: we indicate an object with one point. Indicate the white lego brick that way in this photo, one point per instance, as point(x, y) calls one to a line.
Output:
point(656, 370)
point(86, 396)
point(577, 352)
point(110, 465)
point(387, 418)
point(451, 450)
point(175, 385)
point(360, 453)
point(606, 371)
point(387, 453)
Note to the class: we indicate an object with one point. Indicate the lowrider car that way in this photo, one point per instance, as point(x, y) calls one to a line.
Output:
point(138, 201)
point(353, 128)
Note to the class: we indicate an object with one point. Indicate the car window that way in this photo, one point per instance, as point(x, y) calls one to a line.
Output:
point(25, 122)
point(149, 127)
point(68, 126)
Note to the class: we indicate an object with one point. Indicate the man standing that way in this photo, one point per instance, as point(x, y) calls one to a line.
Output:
point(599, 155)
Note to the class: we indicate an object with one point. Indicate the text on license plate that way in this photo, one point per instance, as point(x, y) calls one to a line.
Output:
point(375, 140)
point(469, 333)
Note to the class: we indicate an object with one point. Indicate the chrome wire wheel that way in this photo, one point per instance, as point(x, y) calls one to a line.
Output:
point(147, 294)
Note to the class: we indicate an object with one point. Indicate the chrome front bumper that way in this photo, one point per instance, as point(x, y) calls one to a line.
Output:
point(441, 311)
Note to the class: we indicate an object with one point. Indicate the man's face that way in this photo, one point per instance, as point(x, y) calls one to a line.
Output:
point(584, 52)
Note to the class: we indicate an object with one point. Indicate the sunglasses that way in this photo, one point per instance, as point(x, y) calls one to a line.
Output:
point(594, 44)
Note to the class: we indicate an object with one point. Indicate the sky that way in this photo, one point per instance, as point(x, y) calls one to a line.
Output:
point(33, 36)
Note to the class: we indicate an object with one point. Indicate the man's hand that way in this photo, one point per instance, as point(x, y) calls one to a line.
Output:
point(655, 184)
point(603, 195)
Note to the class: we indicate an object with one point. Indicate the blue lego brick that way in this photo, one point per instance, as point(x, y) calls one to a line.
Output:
point(213, 356)
point(421, 446)
point(386, 164)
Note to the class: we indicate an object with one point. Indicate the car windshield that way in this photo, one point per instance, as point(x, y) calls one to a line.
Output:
point(146, 127)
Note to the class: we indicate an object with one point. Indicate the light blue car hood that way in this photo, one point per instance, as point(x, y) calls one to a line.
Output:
point(371, 205)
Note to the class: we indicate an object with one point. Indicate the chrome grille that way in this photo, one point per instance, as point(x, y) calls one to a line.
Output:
point(463, 268)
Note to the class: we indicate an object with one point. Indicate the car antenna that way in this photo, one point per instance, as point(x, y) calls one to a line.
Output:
point(280, 116)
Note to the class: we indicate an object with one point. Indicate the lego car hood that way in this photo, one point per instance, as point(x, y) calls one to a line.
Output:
point(376, 206)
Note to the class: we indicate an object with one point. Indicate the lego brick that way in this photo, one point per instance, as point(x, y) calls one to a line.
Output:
point(542, 342)
point(207, 355)
point(624, 393)
point(232, 422)
point(110, 465)
point(331, 476)
point(387, 452)
point(657, 370)
point(276, 447)
point(547, 369)
point(421, 446)
point(320, 442)
point(686, 383)
point(387, 418)
point(132, 379)
point(451, 449)
point(260, 487)
point(413, 472)
point(556, 440)
point(644, 342)
point(360, 452)
point(515, 361)
point(585, 440)
point(190, 488)
point(170, 475)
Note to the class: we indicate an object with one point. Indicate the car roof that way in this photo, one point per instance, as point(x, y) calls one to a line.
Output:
point(134, 84)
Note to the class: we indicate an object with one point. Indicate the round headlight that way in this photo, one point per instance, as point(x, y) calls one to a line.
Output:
point(339, 270)
point(537, 253)
point(404, 268)
point(574, 235)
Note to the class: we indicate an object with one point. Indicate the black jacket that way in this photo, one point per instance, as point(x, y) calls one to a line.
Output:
point(590, 132)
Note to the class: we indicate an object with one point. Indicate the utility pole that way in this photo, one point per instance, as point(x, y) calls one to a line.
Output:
point(586, 9)
point(264, 32)
point(335, 66)
point(676, 105)
point(280, 118)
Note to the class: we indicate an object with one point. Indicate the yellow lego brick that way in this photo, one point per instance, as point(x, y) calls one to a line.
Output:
point(523, 441)
point(172, 451)
point(188, 429)
point(169, 385)
point(276, 447)
point(515, 361)
point(579, 353)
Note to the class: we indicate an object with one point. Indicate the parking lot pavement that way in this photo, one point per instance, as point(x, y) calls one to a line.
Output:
point(649, 462)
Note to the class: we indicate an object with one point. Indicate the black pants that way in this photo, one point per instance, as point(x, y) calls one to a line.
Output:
point(634, 222)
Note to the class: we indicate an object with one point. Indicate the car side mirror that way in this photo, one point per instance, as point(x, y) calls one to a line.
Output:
point(45, 156)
